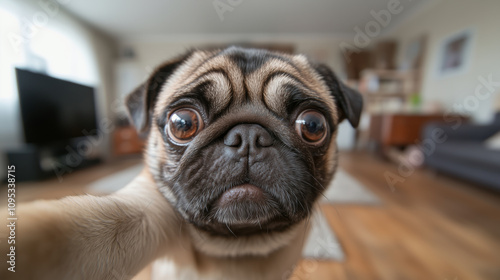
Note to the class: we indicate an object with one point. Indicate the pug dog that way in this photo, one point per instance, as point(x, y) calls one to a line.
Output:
point(240, 146)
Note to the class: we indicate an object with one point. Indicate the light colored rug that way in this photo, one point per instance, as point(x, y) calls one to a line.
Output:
point(115, 181)
point(347, 190)
point(321, 243)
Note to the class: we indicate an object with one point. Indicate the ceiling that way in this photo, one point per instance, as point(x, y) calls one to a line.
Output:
point(126, 18)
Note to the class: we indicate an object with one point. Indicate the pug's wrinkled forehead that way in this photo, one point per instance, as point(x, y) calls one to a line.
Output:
point(233, 77)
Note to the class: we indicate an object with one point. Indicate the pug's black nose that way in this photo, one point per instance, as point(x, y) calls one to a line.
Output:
point(248, 139)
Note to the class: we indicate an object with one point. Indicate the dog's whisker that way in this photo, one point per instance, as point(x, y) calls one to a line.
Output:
point(230, 229)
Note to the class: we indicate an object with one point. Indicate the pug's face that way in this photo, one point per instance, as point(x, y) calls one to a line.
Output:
point(242, 141)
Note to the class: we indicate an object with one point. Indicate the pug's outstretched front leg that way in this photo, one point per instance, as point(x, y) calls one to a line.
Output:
point(88, 237)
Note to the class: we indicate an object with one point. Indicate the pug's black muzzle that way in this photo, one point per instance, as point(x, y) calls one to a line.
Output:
point(254, 184)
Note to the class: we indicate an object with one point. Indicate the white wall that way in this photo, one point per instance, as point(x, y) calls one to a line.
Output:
point(445, 18)
point(34, 35)
point(153, 50)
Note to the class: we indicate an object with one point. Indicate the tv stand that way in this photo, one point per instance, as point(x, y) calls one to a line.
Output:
point(39, 162)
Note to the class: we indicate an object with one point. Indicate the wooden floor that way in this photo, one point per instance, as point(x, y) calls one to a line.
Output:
point(428, 227)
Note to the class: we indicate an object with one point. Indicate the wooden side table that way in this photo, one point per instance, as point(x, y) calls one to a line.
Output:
point(390, 130)
point(126, 141)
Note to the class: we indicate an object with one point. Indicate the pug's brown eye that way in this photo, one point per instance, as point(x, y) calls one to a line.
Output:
point(183, 125)
point(311, 126)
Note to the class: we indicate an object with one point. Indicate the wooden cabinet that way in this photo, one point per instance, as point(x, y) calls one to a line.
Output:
point(400, 129)
point(126, 141)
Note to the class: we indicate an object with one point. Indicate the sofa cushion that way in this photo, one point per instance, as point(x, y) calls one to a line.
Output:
point(473, 173)
point(471, 152)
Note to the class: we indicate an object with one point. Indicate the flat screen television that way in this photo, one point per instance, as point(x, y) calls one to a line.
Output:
point(54, 110)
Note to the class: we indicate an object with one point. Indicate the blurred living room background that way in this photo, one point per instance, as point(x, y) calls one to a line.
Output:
point(425, 160)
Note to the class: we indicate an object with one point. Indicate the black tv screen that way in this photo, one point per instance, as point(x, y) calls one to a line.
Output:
point(54, 110)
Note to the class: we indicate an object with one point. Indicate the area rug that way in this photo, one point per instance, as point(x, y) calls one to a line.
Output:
point(344, 189)
point(321, 243)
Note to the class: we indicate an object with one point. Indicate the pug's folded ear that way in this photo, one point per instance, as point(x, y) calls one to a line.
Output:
point(140, 102)
point(349, 101)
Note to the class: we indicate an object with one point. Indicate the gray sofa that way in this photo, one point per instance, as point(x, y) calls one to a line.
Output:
point(464, 154)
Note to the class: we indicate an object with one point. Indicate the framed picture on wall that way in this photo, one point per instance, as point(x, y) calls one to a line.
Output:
point(454, 53)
